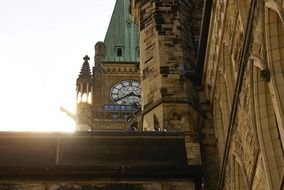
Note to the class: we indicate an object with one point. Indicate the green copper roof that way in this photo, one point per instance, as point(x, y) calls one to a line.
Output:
point(121, 40)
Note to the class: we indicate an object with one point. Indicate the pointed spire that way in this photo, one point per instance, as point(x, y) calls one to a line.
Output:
point(85, 72)
point(84, 83)
point(121, 40)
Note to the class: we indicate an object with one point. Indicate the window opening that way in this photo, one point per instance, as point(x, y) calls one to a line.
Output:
point(119, 51)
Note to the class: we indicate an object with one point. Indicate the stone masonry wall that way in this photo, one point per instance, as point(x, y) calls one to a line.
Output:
point(243, 61)
point(167, 54)
point(166, 49)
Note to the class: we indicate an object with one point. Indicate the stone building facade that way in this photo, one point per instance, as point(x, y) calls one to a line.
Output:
point(210, 69)
point(214, 70)
point(240, 97)
point(243, 85)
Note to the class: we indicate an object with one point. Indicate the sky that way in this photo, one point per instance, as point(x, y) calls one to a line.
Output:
point(42, 45)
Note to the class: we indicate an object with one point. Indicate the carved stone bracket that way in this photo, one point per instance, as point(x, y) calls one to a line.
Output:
point(276, 6)
point(257, 48)
point(259, 63)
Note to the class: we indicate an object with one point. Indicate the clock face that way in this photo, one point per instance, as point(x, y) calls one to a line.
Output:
point(126, 92)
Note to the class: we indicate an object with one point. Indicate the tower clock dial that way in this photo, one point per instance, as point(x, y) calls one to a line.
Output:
point(126, 92)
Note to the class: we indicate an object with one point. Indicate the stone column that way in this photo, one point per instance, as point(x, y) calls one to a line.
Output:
point(167, 54)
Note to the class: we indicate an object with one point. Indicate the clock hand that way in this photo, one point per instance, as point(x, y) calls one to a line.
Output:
point(137, 95)
point(129, 94)
point(133, 94)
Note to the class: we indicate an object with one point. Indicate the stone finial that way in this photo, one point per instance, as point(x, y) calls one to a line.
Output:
point(85, 73)
point(86, 58)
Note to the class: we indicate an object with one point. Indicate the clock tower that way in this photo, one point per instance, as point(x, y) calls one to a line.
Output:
point(115, 82)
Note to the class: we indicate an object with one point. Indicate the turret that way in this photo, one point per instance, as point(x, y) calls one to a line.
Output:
point(99, 52)
point(84, 96)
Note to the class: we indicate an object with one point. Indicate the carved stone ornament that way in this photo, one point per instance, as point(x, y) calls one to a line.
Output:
point(257, 47)
point(230, 22)
point(229, 175)
point(276, 6)
point(237, 45)
point(244, 140)
point(260, 179)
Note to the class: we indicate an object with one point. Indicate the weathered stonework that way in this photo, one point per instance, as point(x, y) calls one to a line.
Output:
point(167, 55)
point(105, 76)
point(238, 107)
point(244, 143)
point(168, 44)
point(242, 88)
point(238, 85)
point(260, 180)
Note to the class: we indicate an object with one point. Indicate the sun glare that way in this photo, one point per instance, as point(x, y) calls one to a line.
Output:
point(38, 117)
point(41, 47)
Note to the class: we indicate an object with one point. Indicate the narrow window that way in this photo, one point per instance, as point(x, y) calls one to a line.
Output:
point(137, 52)
point(119, 51)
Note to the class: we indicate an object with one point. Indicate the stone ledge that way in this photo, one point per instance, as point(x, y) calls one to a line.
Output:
point(85, 156)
